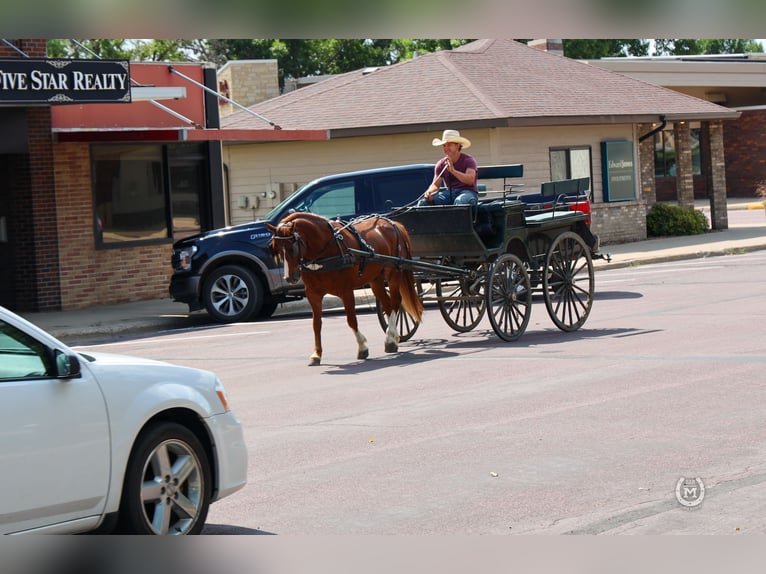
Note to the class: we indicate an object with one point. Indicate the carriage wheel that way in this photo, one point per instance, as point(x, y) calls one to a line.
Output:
point(537, 247)
point(461, 301)
point(405, 325)
point(568, 283)
point(509, 297)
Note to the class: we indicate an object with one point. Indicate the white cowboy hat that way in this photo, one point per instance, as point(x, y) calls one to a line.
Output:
point(452, 136)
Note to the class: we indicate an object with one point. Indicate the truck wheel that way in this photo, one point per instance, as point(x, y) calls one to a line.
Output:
point(167, 483)
point(232, 294)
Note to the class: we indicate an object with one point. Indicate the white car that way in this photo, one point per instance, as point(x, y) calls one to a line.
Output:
point(95, 441)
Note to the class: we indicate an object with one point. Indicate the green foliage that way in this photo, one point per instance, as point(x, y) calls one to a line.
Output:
point(665, 219)
point(581, 49)
point(295, 58)
point(316, 57)
point(690, 47)
point(133, 50)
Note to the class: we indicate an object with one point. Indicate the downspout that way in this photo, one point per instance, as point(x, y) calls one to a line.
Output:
point(655, 130)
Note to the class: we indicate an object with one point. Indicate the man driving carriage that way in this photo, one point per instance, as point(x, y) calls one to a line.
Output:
point(457, 170)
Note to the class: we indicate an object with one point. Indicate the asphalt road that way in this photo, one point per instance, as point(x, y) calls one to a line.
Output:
point(584, 433)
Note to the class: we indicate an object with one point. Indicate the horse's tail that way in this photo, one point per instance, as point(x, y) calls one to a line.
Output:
point(410, 298)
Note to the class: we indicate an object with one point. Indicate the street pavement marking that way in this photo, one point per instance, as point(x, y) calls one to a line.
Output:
point(166, 337)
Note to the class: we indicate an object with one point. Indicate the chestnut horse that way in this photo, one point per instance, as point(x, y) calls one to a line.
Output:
point(317, 250)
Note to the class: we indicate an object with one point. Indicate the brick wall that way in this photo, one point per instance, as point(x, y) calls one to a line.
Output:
point(34, 48)
point(249, 82)
point(715, 174)
point(745, 144)
point(42, 187)
point(619, 222)
point(648, 184)
point(90, 276)
point(36, 243)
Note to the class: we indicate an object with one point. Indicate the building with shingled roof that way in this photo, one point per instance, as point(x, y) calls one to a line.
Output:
point(517, 104)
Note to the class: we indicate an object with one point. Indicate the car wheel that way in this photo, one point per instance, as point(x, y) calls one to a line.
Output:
point(232, 294)
point(167, 483)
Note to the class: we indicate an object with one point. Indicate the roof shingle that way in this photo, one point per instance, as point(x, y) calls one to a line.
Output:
point(496, 82)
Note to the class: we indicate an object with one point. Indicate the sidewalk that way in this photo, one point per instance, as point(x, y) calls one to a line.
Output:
point(746, 233)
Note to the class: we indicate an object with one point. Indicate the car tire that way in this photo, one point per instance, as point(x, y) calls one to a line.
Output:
point(168, 483)
point(232, 294)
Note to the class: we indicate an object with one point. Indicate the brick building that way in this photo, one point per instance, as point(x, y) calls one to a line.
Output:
point(736, 81)
point(94, 194)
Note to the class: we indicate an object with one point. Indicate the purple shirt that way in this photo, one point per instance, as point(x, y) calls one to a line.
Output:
point(464, 163)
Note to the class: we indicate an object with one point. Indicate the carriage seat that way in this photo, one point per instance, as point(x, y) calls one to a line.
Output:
point(488, 224)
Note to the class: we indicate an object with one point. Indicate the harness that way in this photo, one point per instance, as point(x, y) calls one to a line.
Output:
point(342, 260)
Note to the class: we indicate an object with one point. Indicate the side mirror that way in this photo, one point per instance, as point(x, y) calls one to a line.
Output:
point(67, 366)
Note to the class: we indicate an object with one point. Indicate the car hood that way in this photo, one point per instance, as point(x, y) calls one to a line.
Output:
point(128, 375)
point(253, 230)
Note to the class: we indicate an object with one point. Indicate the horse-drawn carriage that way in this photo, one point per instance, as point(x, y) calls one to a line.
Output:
point(490, 259)
point(493, 260)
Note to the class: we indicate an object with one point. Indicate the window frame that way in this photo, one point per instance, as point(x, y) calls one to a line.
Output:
point(568, 161)
point(668, 135)
point(196, 150)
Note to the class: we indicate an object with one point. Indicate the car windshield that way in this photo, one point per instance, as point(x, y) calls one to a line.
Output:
point(334, 199)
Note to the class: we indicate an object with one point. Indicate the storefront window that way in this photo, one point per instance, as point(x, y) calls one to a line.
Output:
point(146, 192)
point(570, 163)
point(187, 176)
point(665, 153)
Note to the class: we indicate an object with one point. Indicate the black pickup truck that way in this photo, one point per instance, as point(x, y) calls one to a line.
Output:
point(230, 272)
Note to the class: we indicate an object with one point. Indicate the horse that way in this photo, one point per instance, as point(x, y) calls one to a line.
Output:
point(316, 249)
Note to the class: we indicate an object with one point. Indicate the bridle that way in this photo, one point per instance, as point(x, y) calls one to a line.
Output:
point(342, 260)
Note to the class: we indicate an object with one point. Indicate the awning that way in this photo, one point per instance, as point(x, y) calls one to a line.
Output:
point(181, 135)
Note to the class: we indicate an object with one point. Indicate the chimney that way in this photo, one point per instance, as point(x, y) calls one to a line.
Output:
point(554, 46)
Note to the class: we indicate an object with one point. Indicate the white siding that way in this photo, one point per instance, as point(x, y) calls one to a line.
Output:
point(256, 169)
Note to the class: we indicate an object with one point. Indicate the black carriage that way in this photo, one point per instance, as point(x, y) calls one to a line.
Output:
point(495, 259)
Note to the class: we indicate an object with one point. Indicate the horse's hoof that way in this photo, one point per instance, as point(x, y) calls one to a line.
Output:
point(391, 347)
point(315, 361)
point(363, 354)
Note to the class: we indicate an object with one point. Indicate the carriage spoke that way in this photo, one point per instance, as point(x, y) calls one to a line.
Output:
point(461, 303)
point(508, 296)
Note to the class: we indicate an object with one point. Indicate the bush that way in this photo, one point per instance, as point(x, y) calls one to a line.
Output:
point(665, 219)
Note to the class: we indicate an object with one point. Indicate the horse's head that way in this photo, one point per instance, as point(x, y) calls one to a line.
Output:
point(302, 241)
point(286, 249)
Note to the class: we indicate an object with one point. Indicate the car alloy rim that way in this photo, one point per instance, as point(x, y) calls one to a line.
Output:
point(230, 295)
point(172, 488)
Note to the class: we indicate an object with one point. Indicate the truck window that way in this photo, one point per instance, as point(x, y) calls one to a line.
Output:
point(330, 200)
point(396, 190)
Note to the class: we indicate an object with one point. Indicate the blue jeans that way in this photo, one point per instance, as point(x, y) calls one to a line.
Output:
point(450, 197)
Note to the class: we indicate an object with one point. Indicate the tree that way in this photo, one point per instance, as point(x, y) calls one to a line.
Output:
point(122, 49)
point(299, 58)
point(690, 47)
point(596, 49)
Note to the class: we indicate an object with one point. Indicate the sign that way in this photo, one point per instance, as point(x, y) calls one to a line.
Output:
point(60, 81)
point(690, 491)
point(618, 171)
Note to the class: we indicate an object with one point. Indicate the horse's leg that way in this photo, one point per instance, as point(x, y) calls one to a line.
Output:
point(316, 317)
point(392, 334)
point(349, 304)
